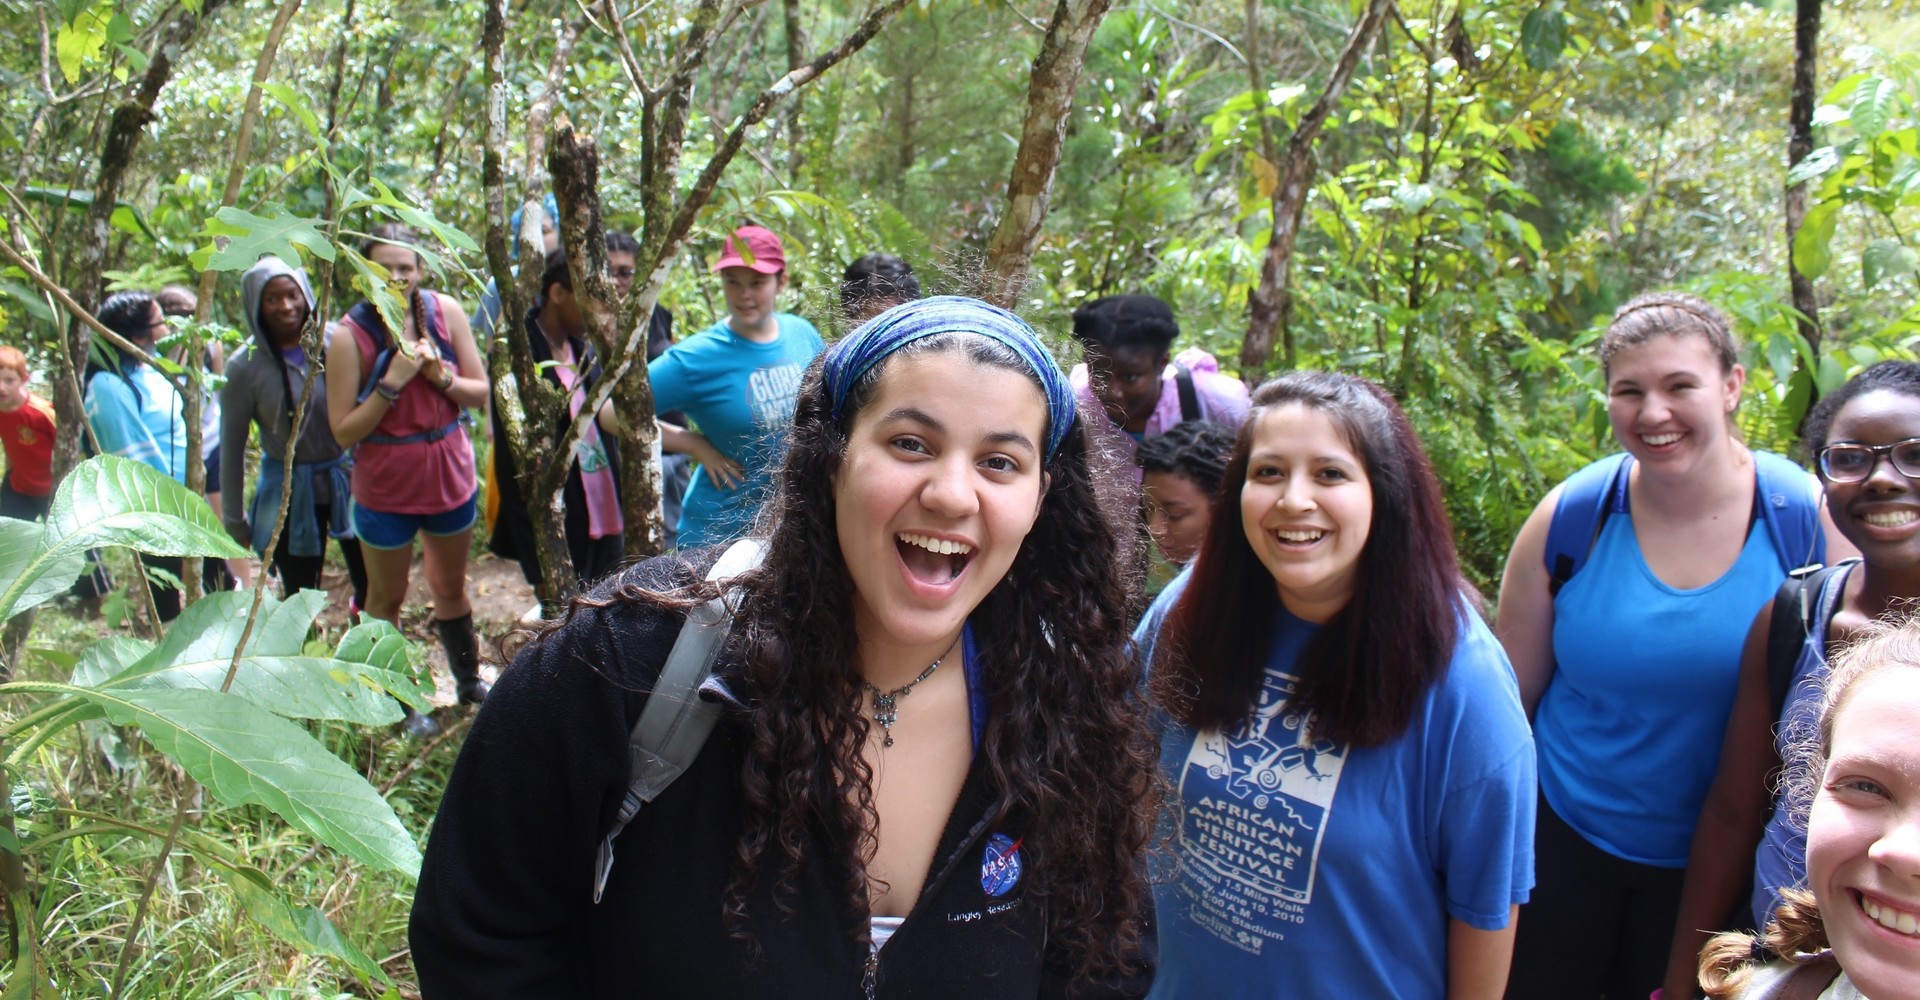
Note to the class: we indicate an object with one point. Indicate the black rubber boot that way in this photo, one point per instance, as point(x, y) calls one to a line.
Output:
point(463, 658)
point(419, 727)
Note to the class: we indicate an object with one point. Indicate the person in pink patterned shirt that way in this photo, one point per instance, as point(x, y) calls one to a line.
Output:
point(1130, 373)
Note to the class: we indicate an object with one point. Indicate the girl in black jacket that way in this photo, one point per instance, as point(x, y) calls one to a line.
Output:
point(933, 776)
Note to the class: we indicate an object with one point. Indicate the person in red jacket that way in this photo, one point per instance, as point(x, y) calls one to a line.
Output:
point(26, 429)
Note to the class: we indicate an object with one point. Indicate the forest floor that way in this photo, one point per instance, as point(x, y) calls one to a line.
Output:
point(500, 598)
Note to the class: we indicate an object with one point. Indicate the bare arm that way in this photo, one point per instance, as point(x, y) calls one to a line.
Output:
point(1732, 819)
point(722, 469)
point(351, 422)
point(1525, 619)
point(1477, 960)
point(468, 390)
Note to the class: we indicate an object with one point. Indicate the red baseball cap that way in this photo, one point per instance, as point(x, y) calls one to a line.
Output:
point(763, 251)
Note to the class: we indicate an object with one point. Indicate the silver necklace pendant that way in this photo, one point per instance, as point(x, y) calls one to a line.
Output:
point(886, 710)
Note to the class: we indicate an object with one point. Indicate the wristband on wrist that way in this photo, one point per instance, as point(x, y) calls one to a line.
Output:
point(446, 382)
point(390, 395)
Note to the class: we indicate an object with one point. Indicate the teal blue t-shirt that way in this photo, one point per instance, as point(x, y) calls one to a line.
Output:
point(1630, 728)
point(741, 395)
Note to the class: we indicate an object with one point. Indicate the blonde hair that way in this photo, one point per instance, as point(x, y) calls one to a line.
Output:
point(1795, 933)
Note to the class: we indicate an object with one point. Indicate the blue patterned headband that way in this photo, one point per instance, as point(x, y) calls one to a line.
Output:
point(903, 324)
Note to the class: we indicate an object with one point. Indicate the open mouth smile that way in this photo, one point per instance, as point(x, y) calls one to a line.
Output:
point(1661, 440)
point(933, 561)
point(1299, 536)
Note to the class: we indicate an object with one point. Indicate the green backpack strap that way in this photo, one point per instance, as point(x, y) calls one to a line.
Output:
point(674, 725)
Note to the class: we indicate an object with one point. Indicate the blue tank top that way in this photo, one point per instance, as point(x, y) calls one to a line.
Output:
point(1629, 730)
point(1781, 860)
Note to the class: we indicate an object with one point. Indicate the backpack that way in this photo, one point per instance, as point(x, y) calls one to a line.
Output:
point(1795, 608)
point(676, 721)
point(1189, 397)
point(1595, 493)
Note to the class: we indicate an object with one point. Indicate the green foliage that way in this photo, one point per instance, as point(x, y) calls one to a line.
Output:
point(216, 693)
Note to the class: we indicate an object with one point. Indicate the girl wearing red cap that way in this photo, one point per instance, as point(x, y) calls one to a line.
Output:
point(737, 381)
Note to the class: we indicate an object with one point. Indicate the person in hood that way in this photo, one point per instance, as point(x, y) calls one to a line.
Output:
point(266, 382)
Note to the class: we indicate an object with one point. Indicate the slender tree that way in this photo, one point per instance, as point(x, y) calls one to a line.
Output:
point(1268, 300)
point(1050, 89)
point(1806, 43)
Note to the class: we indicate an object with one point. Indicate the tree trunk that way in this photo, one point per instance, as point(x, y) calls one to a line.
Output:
point(1050, 89)
point(1806, 41)
point(527, 406)
point(1268, 300)
point(796, 122)
point(90, 244)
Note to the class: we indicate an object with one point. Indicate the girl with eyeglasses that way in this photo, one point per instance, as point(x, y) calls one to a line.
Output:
point(1627, 641)
point(1866, 438)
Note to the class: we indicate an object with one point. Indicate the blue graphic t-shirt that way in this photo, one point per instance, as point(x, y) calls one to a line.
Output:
point(741, 395)
point(1307, 868)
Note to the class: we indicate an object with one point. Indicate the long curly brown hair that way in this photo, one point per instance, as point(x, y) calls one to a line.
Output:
point(1067, 745)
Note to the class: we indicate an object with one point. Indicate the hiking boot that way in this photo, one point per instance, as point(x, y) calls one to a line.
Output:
point(419, 727)
point(463, 658)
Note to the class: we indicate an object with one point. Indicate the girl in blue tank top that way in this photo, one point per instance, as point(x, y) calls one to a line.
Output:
point(1629, 670)
point(1866, 437)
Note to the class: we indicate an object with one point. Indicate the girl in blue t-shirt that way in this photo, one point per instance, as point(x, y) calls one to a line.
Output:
point(1866, 437)
point(1628, 667)
point(737, 380)
point(1353, 777)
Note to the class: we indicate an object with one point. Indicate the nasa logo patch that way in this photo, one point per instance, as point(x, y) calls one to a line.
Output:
point(1000, 865)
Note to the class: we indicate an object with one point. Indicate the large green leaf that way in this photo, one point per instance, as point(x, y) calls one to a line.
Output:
point(250, 237)
point(1543, 37)
point(108, 658)
point(1873, 104)
point(381, 647)
point(246, 755)
point(374, 284)
point(19, 544)
point(80, 40)
point(108, 500)
point(198, 652)
point(306, 928)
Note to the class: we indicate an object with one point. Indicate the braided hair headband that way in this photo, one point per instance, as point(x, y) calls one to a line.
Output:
point(851, 358)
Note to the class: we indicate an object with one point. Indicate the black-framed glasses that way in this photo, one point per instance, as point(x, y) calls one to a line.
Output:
point(1851, 463)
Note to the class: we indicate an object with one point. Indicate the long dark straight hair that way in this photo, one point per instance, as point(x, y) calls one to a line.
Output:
point(1365, 671)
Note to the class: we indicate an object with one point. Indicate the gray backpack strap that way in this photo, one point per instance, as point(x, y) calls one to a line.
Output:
point(674, 725)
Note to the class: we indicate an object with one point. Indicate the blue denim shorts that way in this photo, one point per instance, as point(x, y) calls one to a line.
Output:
point(382, 530)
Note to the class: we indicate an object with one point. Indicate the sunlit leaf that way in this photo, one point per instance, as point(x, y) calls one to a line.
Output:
point(1812, 245)
point(248, 237)
point(107, 501)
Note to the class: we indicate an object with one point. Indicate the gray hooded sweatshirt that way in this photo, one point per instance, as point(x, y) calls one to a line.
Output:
point(263, 389)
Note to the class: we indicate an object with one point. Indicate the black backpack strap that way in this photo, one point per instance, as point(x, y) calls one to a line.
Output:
point(674, 725)
point(1795, 608)
point(1189, 397)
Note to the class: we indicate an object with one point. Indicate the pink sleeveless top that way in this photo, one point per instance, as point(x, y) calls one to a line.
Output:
point(416, 477)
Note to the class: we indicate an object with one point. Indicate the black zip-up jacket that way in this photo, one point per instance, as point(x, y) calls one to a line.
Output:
point(504, 906)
